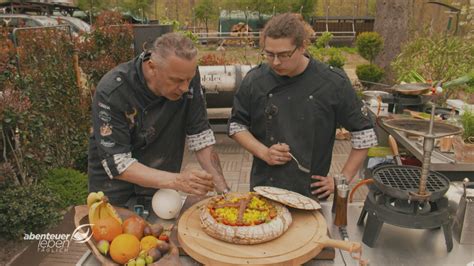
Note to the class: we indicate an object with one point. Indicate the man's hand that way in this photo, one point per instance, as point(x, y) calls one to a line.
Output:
point(278, 154)
point(196, 182)
point(209, 161)
point(323, 186)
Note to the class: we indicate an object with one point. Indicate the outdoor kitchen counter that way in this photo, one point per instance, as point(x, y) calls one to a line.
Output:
point(403, 246)
point(442, 162)
point(394, 246)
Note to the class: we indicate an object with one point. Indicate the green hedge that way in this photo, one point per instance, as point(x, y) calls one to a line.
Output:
point(331, 56)
point(369, 72)
point(467, 120)
point(68, 184)
point(25, 209)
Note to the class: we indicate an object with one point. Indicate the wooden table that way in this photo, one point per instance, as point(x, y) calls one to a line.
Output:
point(327, 254)
point(395, 245)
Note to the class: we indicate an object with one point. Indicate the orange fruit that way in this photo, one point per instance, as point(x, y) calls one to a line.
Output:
point(148, 242)
point(124, 248)
point(106, 229)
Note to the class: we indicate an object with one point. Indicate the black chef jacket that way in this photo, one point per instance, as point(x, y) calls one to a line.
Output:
point(130, 124)
point(301, 111)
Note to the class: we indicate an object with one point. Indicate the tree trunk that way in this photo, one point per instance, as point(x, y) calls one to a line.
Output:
point(392, 21)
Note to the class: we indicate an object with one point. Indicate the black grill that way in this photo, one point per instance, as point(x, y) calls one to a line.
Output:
point(397, 181)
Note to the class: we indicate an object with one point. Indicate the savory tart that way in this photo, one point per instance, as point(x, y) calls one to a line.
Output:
point(244, 218)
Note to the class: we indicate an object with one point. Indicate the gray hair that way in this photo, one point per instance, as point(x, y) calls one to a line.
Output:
point(173, 44)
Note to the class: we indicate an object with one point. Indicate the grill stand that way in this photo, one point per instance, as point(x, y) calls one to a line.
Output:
point(427, 212)
point(377, 214)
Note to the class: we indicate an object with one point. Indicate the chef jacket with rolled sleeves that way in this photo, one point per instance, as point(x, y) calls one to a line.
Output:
point(131, 124)
point(303, 112)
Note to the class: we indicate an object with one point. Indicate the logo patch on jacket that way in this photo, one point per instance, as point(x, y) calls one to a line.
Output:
point(107, 144)
point(106, 130)
point(104, 116)
point(130, 115)
point(103, 105)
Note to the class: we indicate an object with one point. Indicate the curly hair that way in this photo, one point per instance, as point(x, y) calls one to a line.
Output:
point(286, 25)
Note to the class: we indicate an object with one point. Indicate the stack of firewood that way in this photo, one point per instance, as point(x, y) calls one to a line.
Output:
point(243, 31)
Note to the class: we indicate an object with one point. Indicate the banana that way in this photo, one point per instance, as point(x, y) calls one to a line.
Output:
point(103, 213)
point(112, 212)
point(94, 197)
point(102, 209)
point(94, 212)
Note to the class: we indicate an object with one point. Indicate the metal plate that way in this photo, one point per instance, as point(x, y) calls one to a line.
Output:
point(412, 88)
point(397, 181)
point(421, 127)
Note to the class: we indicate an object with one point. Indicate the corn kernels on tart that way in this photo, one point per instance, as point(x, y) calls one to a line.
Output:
point(244, 218)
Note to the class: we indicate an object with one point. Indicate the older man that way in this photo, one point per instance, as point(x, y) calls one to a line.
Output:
point(142, 113)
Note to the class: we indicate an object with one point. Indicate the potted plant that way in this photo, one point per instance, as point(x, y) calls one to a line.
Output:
point(464, 145)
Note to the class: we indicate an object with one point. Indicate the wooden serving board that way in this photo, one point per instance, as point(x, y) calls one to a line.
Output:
point(305, 238)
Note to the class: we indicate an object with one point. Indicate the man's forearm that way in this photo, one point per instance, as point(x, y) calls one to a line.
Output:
point(354, 162)
point(209, 161)
point(145, 176)
point(251, 144)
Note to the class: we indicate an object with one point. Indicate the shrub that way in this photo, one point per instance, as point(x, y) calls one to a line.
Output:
point(369, 72)
point(369, 44)
point(7, 57)
point(178, 28)
point(336, 59)
point(437, 58)
point(331, 56)
point(467, 121)
point(54, 132)
point(323, 40)
point(25, 209)
point(68, 184)
point(109, 44)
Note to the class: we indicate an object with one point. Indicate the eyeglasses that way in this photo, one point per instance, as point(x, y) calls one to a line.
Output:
point(282, 56)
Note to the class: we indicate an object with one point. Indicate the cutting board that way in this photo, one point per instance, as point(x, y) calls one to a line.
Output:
point(305, 239)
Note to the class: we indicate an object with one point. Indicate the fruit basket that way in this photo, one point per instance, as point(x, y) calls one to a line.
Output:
point(81, 218)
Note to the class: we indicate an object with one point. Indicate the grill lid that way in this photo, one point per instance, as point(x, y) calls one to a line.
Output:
point(397, 181)
point(412, 88)
point(421, 127)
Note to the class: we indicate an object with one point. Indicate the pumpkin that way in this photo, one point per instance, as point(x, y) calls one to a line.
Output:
point(106, 229)
point(166, 203)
